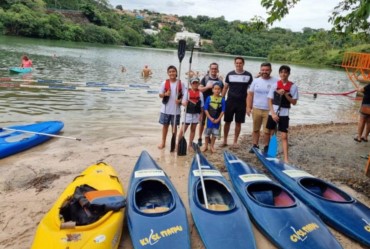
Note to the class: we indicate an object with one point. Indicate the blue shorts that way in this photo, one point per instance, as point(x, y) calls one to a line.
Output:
point(166, 119)
point(212, 131)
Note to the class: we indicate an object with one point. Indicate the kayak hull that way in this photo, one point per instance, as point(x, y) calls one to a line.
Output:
point(20, 69)
point(156, 216)
point(103, 233)
point(225, 224)
point(282, 218)
point(334, 206)
point(12, 142)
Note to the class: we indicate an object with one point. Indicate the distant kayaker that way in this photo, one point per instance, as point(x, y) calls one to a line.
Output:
point(171, 92)
point(25, 61)
point(146, 72)
point(281, 96)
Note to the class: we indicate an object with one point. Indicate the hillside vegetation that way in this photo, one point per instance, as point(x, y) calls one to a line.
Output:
point(96, 21)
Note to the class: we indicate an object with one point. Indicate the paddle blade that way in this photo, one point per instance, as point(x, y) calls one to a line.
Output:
point(181, 49)
point(173, 142)
point(181, 149)
point(196, 147)
point(273, 147)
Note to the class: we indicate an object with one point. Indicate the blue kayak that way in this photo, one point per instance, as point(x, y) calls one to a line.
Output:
point(20, 69)
point(334, 206)
point(282, 218)
point(225, 223)
point(12, 142)
point(156, 216)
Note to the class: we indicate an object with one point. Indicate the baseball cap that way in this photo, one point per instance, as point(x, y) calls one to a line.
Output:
point(218, 83)
point(194, 80)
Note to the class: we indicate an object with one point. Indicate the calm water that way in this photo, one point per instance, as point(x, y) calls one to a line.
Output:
point(134, 112)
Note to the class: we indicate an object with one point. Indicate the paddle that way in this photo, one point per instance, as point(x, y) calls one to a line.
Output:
point(197, 150)
point(40, 133)
point(180, 54)
point(181, 150)
point(273, 144)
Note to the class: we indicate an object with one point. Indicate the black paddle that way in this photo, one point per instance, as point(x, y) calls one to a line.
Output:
point(181, 150)
point(180, 54)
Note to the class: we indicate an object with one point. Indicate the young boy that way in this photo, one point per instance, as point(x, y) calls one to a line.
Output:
point(214, 108)
point(194, 102)
point(171, 91)
point(281, 96)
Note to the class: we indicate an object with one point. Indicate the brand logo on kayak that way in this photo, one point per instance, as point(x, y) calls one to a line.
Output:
point(148, 172)
point(155, 237)
point(254, 177)
point(207, 172)
point(367, 227)
point(301, 234)
point(296, 173)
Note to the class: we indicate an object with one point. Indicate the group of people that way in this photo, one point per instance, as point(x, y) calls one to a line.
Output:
point(213, 98)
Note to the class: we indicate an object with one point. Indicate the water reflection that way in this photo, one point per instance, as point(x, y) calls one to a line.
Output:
point(134, 111)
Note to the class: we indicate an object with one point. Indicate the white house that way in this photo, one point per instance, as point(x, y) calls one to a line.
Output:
point(187, 35)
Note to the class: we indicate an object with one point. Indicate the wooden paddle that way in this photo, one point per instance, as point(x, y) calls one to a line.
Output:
point(273, 144)
point(180, 54)
point(367, 167)
point(39, 133)
point(182, 147)
point(197, 150)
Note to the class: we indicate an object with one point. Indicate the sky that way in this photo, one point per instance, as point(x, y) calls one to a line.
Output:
point(307, 13)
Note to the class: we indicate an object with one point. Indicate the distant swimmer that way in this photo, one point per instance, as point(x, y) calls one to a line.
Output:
point(146, 72)
point(123, 69)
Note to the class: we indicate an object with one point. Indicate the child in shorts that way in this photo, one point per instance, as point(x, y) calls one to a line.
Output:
point(214, 109)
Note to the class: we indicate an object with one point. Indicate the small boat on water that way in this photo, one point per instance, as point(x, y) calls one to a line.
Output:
point(222, 221)
point(333, 205)
point(282, 218)
point(15, 140)
point(156, 216)
point(87, 215)
point(20, 69)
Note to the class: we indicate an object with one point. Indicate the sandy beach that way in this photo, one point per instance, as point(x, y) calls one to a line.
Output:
point(31, 181)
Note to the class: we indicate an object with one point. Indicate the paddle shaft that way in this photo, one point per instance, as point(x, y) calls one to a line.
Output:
point(186, 107)
point(41, 133)
point(202, 181)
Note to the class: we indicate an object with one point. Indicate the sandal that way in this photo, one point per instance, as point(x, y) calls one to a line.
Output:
point(357, 140)
point(364, 139)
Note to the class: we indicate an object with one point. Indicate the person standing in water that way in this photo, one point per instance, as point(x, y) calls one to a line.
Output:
point(146, 72)
point(25, 61)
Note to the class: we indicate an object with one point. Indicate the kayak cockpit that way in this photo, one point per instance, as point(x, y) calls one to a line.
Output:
point(218, 195)
point(268, 194)
point(324, 190)
point(153, 197)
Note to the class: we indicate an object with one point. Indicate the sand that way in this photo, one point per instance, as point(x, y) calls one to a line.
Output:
point(31, 181)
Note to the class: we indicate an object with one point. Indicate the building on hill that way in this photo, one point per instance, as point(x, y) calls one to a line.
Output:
point(184, 35)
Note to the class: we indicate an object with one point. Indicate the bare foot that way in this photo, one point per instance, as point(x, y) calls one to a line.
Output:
point(161, 146)
point(223, 145)
point(190, 148)
point(204, 149)
point(235, 146)
point(213, 150)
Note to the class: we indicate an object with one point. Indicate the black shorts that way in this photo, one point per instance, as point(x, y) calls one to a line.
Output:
point(237, 108)
point(282, 126)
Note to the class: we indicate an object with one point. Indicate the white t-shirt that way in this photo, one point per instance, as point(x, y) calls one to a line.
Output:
point(283, 111)
point(260, 88)
point(171, 108)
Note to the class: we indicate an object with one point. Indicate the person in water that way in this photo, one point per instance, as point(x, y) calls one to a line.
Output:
point(146, 72)
point(193, 102)
point(214, 109)
point(282, 95)
point(171, 92)
point(25, 61)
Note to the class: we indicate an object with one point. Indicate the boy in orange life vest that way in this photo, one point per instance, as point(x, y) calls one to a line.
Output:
point(193, 100)
point(214, 108)
point(281, 96)
point(171, 92)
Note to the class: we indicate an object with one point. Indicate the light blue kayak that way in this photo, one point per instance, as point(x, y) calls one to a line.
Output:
point(20, 69)
point(282, 218)
point(12, 142)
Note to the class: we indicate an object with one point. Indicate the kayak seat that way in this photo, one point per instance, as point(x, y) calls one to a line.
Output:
point(332, 195)
point(324, 190)
point(314, 189)
point(153, 196)
point(283, 200)
point(265, 197)
point(112, 200)
point(218, 196)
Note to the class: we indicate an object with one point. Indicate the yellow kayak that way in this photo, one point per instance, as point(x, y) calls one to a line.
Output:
point(89, 213)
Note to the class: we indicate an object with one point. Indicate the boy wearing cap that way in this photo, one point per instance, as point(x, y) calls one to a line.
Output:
point(214, 109)
point(193, 102)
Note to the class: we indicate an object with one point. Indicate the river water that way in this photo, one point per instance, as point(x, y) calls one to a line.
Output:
point(135, 111)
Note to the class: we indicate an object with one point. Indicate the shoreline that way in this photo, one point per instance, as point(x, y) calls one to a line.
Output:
point(32, 180)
